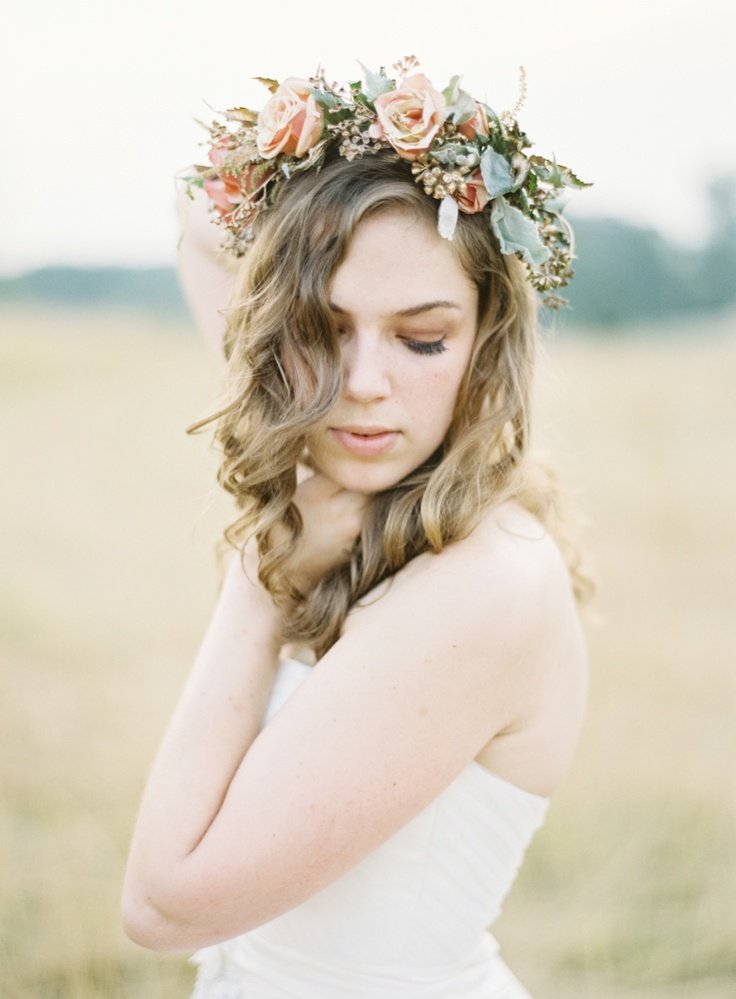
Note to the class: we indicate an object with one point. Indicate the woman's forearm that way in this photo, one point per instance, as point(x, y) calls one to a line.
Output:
point(217, 718)
point(203, 274)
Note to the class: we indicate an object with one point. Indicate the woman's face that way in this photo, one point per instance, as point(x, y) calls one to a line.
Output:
point(407, 315)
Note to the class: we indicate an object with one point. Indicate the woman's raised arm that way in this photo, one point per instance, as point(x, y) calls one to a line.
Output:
point(205, 279)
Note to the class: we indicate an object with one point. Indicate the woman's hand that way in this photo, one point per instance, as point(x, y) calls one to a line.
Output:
point(332, 519)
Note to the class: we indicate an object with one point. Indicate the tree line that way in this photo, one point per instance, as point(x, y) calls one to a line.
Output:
point(625, 274)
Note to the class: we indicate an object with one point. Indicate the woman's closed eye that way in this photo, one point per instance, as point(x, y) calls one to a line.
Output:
point(417, 346)
point(426, 346)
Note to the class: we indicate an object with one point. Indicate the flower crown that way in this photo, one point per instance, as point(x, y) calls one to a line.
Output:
point(461, 152)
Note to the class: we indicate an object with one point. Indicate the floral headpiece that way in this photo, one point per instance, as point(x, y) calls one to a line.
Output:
point(462, 153)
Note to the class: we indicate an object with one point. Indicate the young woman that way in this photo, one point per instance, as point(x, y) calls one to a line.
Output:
point(393, 680)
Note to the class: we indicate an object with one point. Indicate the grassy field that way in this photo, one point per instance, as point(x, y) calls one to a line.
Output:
point(108, 516)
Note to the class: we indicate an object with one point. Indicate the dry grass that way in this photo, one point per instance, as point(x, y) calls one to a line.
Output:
point(108, 519)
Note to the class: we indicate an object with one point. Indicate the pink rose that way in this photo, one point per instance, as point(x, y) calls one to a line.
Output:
point(228, 190)
point(409, 118)
point(291, 122)
point(225, 195)
point(476, 195)
point(477, 125)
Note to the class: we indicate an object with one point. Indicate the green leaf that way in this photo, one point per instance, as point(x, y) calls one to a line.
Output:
point(496, 171)
point(329, 101)
point(521, 196)
point(552, 172)
point(450, 91)
point(460, 105)
point(516, 233)
point(556, 205)
point(462, 109)
point(375, 83)
point(492, 116)
point(570, 179)
point(448, 155)
point(196, 182)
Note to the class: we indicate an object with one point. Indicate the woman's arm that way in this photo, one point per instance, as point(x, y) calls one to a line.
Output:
point(217, 718)
point(220, 711)
point(237, 828)
point(206, 280)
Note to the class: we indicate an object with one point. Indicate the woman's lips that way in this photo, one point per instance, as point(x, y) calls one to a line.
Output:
point(366, 441)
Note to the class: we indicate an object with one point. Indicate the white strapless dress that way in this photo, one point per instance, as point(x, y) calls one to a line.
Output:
point(409, 921)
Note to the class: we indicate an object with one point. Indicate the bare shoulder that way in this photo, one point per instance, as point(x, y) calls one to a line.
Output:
point(511, 546)
point(502, 595)
point(536, 748)
point(508, 562)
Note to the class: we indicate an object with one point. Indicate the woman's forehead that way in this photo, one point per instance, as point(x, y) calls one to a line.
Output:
point(399, 265)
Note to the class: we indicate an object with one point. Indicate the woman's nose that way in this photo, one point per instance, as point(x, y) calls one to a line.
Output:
point(365, 368)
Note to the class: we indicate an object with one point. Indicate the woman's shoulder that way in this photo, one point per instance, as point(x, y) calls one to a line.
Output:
point(504, 586)
point(510, 585)
point(509, 558)
point(498, 607)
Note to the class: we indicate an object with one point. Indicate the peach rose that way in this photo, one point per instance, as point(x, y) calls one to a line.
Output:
point(477, 125)
point(225, 195)
point(229, 189)
point(410, 117)
point(291, 122)
point(476, 195)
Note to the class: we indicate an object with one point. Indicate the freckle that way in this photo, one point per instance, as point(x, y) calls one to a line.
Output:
point(423, 711)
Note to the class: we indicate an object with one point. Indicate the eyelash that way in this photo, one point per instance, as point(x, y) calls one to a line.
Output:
point(419, 346)
point(424, 347)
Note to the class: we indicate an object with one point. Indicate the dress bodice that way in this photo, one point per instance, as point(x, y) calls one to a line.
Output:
point(410, 919)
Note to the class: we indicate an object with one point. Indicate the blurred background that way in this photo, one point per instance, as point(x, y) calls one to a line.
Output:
point(109, 514)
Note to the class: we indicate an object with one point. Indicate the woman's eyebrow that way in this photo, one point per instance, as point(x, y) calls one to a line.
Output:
point(413, 310)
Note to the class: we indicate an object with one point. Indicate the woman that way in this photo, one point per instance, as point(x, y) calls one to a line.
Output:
point(393, 680)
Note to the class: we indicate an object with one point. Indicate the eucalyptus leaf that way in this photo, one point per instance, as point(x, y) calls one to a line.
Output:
point(448, 155)
point(451, 90)
point(516, 233)
point(496, 172)
point(462, 109)
point(460, 106)
point(556, 204)
point(375, 83)
point(329, 101)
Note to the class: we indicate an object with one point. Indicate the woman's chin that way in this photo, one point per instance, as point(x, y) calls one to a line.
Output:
point(358, 477)
point(368, 482)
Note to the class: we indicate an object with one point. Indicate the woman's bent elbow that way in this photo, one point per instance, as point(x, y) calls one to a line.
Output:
point(147, 926)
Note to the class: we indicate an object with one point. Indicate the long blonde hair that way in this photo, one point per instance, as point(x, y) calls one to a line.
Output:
point(280, 308)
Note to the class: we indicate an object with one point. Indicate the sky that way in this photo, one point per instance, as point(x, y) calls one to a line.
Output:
point(101, 97)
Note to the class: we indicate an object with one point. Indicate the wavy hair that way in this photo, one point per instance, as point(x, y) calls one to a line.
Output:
point(280, 308)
